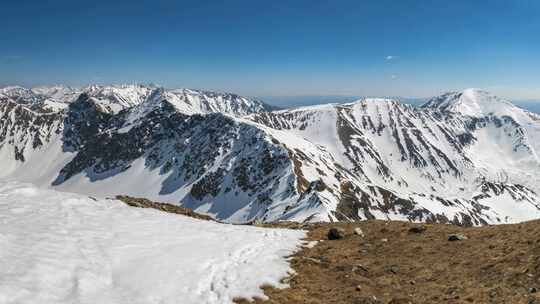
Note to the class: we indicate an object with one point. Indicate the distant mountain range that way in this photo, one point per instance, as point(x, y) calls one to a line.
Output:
point(309, 100)
point(463, 157)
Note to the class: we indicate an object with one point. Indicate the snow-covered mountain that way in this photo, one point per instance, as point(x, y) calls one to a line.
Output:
point(115, 98)
point(465, 157)
point(427, 163)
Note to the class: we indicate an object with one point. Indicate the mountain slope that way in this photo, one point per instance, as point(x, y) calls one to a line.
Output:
point(396, 262)
point(205, 161)
point(417, 154)
point(506, 139)
point(226, 156)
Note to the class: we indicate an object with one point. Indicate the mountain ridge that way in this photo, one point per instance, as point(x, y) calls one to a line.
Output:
point(232, 158)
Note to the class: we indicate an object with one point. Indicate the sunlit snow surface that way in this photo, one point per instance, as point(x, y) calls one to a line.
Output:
point(58, 247)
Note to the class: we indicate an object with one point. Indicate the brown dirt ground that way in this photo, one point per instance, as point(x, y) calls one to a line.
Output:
point(496, 264)
point(165, 207)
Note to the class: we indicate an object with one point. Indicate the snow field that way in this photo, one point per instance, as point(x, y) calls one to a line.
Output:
point(59, 247)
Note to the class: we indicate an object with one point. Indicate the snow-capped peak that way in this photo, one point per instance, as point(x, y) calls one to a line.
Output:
point(19, 94)
point(115, 98)
point(7, 89)
point(55, 91)
point(472, 102)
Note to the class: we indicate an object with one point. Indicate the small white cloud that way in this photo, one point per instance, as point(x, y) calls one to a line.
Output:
point(391, 57)
point(394, 76)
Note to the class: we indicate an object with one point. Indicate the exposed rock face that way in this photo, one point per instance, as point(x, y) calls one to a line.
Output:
point(370, 159)
point(22, 128)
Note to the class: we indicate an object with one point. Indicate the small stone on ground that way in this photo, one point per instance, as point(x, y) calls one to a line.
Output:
point(418, 229)
point(457, 237)
point(336, 233)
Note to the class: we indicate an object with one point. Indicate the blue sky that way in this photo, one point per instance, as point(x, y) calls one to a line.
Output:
point(390, 48)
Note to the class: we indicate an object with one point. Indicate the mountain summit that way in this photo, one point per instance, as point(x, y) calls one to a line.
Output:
point(471, 102)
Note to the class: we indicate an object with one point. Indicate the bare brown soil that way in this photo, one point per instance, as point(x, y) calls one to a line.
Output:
point(496, 264)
